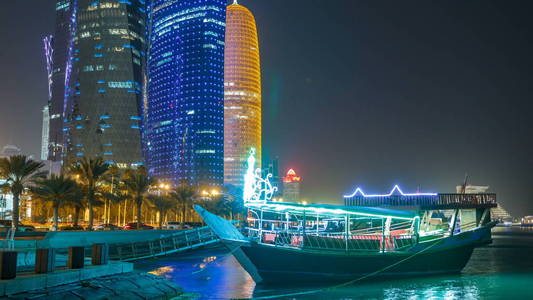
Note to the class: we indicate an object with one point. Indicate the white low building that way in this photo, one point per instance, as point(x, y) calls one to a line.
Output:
point(6, 204)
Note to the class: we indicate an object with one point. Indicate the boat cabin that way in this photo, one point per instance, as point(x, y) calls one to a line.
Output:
point(318, 226)
point(440, 213)
point(363, 225)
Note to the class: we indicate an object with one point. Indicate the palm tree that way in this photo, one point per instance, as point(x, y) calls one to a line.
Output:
point(184, 195)
point(19, 173)
point(90, 172)
point(115, 196)
point(77, 202)
point(56, 189)
point(112, 193)
point(162, 204)
point(137, 182)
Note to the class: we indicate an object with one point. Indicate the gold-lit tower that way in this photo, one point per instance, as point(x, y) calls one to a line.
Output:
point(242, 93)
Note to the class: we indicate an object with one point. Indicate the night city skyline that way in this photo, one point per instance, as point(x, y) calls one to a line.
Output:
point(382, 93)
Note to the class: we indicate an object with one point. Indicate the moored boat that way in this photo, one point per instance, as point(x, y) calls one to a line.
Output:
point(291, 242)
point(276, 249)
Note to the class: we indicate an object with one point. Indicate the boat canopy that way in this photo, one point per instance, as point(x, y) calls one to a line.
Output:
point(374, 212)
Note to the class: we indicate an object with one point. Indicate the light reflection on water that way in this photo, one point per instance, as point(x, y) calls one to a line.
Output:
point(503, 270)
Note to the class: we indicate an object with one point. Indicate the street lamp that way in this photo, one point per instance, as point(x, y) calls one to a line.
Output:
point(209, 195)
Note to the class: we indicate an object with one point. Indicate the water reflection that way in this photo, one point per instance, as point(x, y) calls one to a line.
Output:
point(162, 271)
point(504, 269)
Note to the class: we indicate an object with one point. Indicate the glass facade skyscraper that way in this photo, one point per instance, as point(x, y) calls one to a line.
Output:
point(184, 121)
point(101, 53)
point(242, 93)
point(56, 51)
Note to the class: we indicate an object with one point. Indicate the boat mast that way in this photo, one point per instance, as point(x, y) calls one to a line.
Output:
point(346, 230)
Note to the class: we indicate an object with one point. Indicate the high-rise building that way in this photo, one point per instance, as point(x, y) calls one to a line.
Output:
point(184, 121)
point(105, 67)
point(242, 93)
point(56, 51)
point(45, 133)
point(291, 187)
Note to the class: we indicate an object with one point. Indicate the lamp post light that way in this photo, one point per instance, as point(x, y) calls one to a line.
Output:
point(209, 195)
point(165, 187)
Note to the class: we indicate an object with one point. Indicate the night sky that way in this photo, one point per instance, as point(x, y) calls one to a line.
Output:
point(370, 93)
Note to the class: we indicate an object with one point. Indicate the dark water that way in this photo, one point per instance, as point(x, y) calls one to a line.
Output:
point(503, 270)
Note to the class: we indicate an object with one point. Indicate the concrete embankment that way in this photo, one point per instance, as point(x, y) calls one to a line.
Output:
point(115, 280)
point(132, 285)
point(86, 238)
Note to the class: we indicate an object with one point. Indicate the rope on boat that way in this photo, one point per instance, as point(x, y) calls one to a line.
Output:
point(351, 281)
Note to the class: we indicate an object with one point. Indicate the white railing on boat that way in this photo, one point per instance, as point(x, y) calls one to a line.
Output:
point(334, 241)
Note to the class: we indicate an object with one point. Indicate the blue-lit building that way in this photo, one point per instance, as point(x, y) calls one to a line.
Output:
point(56, 52)
point(184, 121)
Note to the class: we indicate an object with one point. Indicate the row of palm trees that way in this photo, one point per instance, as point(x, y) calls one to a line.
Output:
point(90, 182)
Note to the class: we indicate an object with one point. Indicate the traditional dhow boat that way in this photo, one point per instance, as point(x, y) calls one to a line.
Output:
point(290, 242)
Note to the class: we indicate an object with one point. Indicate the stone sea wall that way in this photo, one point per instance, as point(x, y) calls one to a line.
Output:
point(133, 285)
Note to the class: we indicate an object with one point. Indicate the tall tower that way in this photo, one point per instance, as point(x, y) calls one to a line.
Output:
point(184, 122)
point(242, 93)
point(48, 42)
point(105, 69)
point(45, 133)
point(57, 52)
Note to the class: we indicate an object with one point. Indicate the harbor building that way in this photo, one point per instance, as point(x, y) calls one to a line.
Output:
point(291, 187)
point(184, 120)
point(242, 93)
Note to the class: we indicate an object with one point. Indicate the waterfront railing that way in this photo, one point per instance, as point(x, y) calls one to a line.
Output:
point(166, 244)
point(372, 242)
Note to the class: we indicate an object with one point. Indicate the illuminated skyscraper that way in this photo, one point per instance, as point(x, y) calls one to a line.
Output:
point(105, 86)
point(184, 121)
point(56, 52)
point(98, 55)
point(242, 93)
